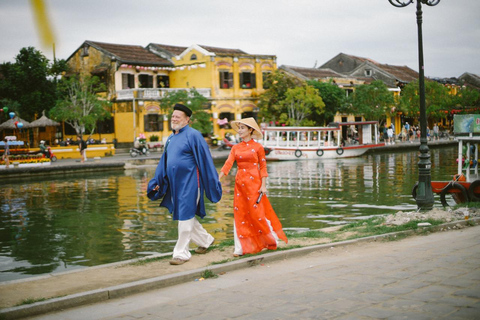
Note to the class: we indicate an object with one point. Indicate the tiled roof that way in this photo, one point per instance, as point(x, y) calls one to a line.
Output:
point(402, 73)
point(314, 73)
point(222, 50)
point(361, 58)
point(130, 53)
point(174, 50)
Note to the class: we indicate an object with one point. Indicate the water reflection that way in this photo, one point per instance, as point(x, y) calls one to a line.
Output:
point(76, 221)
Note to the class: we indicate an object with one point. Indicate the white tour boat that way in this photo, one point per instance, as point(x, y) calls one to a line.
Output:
point(341, 140)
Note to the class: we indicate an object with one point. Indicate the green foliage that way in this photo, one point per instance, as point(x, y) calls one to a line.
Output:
point(466, 98)
point(310, 234)
point(208, 274)
point(30, 301)
point(79, 105)
point(28, 85)
point(271, 101)
point(437, 99)
point(299, 103)
point(373, 101)
point(154, 138)
point(333, 97)
point(200, 119)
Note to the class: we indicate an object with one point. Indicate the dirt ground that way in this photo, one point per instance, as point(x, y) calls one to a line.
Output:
point(62, 284)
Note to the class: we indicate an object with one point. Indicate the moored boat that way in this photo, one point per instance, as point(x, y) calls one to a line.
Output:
point(339, 140)
point(465, 185)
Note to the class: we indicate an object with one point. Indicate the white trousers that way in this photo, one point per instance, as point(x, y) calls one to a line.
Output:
point(190, 230)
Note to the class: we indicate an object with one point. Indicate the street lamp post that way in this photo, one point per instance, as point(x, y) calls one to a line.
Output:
point(424, 197)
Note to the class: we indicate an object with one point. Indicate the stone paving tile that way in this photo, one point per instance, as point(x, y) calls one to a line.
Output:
point(465, 314)
point(428, 289)
point(439, 309)
point(471, 292)
point(375, 312)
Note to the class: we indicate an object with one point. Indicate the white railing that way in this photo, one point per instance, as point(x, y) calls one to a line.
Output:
point(155, 93)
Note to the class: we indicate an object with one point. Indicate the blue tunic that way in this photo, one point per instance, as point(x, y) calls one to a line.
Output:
point(185, 167)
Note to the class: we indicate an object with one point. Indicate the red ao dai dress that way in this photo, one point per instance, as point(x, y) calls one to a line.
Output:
point(257, 226)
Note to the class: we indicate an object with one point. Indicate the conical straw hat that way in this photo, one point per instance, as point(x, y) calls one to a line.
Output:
point(250, 122)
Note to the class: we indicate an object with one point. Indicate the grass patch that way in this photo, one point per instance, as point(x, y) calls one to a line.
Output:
point(208, 274)
point(471, 223)
point(224, 244)
point(310, 234)
point(30, 301)
point(221, 262)
point(466, 205)
point(375, 226)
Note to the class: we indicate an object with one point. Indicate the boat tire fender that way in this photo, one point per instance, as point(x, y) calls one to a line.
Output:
point(450, 187)
point(340, 151)
point(267, 151)
point(319, 152)
point(298, 153)
point(471, 191)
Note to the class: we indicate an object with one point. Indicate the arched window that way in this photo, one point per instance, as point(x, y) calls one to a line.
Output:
point(193, 57)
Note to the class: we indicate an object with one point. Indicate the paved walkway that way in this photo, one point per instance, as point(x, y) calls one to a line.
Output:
point(421, 277)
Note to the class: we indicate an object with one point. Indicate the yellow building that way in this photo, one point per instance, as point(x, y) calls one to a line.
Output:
point(137, 78)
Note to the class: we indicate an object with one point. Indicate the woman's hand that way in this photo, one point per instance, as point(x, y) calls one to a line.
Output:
point(221, 175)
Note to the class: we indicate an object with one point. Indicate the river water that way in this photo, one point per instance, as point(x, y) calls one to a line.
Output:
point(68, 222)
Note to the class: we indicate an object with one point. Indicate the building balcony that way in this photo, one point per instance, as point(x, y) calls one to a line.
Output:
point(154, 93)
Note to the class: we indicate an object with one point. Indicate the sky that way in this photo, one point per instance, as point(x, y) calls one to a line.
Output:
point(303, 33)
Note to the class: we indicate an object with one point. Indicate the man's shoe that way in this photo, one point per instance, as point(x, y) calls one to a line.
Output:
point(177, 262)
point(201, 250)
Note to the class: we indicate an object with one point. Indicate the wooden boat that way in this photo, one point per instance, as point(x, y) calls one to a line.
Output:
point(339, 140)
point(465, 186)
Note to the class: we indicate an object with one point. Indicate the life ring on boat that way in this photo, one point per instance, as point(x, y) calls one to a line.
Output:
point(463, 197)
point(471, 191)
point(414, 191)
point(267, 151)
point(340, 151)
point(320, 152)
point(298, 153)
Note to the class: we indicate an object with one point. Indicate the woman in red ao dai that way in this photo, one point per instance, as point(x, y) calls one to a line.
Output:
point(256, 225)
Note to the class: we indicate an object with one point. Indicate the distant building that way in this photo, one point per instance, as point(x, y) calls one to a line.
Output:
point(137, 78)
point(369, 70)
point(470, 80)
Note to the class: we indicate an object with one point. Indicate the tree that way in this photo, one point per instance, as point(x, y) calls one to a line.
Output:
point(301, 102)
point(80, 106)
point(466, 98)
point(29, 82)
point(271, 101)
point(196, 102)
point(332, 96)
point(373, 101)
point(437, 99)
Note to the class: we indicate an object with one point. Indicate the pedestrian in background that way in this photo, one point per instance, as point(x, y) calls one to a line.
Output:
point(256, 226)
point(390, 135)
point(435, 131)
point(82, 146)
point(185, 172)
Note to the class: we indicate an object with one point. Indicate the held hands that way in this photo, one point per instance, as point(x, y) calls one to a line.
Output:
point(156, 187)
